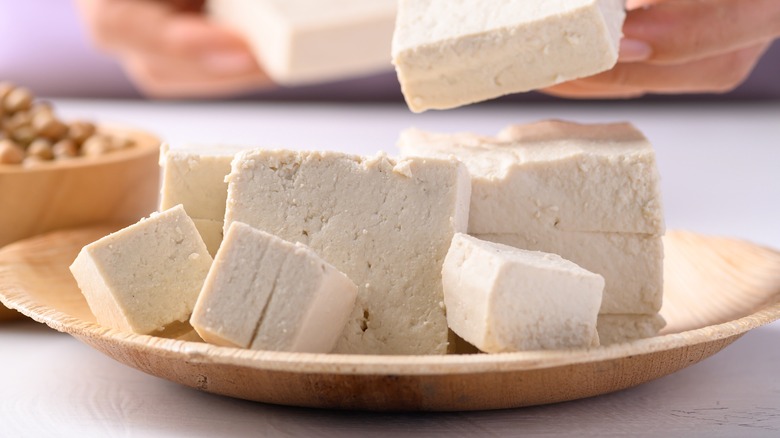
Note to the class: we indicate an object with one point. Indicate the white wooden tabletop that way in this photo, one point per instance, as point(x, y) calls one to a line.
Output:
point(720, 168)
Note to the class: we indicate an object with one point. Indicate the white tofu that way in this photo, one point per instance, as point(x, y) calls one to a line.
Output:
point(554, 174)
point(145, 277)
point(614, 329)
point(386, 224)
point(503, 299)
point(265, 293)
point(304, 41)
point(194, 176)
point(631, 264)
point(450, 53)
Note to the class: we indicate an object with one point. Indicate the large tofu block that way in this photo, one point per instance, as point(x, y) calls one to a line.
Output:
point(631, 264)
point(504, 299)
point(304, 41)
point(554, 174)
point(386, 224)
point(145, 277)
point(614, 329)
point(451, 53)
point(194, 176)
point(265, 293)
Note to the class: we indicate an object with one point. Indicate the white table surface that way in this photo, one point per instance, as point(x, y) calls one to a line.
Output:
point(720, 165)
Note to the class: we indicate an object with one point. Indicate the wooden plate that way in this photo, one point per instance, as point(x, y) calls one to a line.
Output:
point(716, 290)
point(55, 195)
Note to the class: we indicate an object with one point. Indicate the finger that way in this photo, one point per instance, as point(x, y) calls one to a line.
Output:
point(687, 30)
point(634, 51)
point(154, 26)
point(718, 74)
point(182, 78)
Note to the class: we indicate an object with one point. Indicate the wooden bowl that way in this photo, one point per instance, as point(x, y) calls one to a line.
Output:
point(120, 186)
point(716, 290)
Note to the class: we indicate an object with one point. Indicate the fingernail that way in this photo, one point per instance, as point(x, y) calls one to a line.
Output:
point(634, 51)
point(229, 62)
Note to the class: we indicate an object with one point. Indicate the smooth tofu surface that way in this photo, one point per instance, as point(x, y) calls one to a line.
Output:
point(554, 174)
point(631, 264)
point(305, 41)
point(194, 176)
point(386, 224)
point(145, 277)
point(503, 299)
point(614, 329)
point(449, 53)
point(265, 293)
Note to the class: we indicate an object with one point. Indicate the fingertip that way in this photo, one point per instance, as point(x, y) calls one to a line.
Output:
point(632, 50)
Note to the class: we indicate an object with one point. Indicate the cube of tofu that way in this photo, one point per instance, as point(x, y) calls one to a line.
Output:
point(265, 293)
point(386, 224)
point(145, 277)
point(194, 176)
point(554, 175)
point(451, 53)
point(305, 41)
point(590, 193)
point(503, 299)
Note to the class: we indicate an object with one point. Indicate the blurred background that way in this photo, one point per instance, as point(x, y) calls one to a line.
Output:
point(44, 46)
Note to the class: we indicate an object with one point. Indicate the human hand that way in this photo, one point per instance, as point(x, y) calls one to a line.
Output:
point(169, 49)
point(683, 46)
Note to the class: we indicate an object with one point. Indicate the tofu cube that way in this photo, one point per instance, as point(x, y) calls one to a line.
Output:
point(386, 224)
point(145, 277)
point(503, 299)
point(590, 193)
point(449, 53)
point(194, 176)
point(265, 293)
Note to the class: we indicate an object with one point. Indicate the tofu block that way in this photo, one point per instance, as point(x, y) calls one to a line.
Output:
point(449, 53)
point(554, 175)
point(614, 329)
point(503, 299)
point(211, 232)
point(305, 41)
point(631, 264)
point(386, 224)
point(145, 277)
point(194, 176)
point(265, 293)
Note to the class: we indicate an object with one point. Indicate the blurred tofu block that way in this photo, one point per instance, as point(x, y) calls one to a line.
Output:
point(451, 53)
point(308, 41)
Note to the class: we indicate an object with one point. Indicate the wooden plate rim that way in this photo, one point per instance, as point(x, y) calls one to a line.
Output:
point(200, 353)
